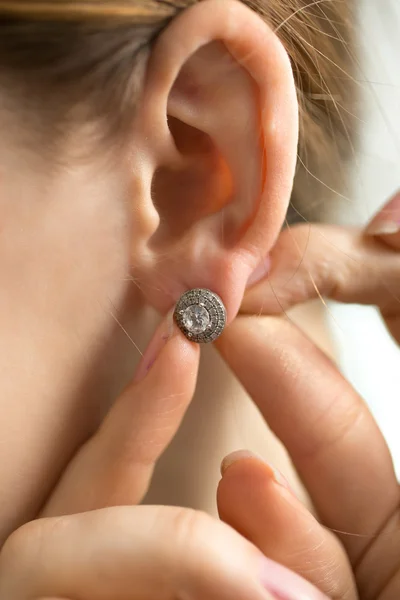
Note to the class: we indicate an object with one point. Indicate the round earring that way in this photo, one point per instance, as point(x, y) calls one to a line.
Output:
point(200, 315)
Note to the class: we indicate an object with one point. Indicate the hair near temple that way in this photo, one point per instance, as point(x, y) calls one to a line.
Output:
point(55, 54)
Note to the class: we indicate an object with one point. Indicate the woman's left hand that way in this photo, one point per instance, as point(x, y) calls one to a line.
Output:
point(352, 550)
point(132, 551)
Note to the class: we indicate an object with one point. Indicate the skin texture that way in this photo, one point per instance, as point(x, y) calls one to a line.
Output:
point(325, 427)
point(321, 420)
point(98, 252)
point(129, 551)
point(73, 258)
point(76, 234)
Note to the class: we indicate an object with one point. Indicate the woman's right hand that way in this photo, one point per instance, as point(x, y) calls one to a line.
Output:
point(352, 551)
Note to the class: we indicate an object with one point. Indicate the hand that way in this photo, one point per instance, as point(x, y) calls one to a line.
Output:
point(131, 553)
point(352, 550)
point(137, 552)
point(344, 264)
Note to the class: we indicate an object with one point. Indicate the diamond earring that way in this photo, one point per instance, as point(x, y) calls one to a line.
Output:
point(200, 315)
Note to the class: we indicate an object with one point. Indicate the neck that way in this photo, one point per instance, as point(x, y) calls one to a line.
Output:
point(64, 259)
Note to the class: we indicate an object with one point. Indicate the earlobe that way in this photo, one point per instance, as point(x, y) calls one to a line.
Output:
point(214, 151)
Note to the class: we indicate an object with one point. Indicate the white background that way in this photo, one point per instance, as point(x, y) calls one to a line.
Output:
point(369, 358)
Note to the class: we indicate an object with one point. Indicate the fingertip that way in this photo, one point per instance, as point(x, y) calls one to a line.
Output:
point(245, 473)
point(249, 460)
point(169, 350)
point(235, 457)
point(242, 489)
point(386, 223)
point(253, 501)
point(178, 357)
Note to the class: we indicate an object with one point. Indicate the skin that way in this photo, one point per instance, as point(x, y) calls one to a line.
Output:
point(76, 231)
point(322, 421)
point(79, 454)
point(327, 444)
point(73, 339)
point(134, 551)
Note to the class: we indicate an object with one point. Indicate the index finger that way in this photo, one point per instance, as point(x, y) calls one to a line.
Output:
point(341, 263)
point(115, 466)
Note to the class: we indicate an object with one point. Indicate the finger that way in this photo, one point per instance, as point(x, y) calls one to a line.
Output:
point(383, 552)
point(392, 588)
point(135, 553)
point(386, 224)
point(116, 465)
point(255, 499)
point(332, 438)
point(344, 264)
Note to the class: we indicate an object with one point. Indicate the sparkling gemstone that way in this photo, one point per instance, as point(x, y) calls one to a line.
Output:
point(196, 319)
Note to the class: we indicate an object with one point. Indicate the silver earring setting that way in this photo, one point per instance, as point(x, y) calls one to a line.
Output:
point(200, 315)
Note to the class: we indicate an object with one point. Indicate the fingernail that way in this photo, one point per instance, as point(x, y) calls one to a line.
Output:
point(284, 584)
point(239, 455)
point(387, 221)
point(260, 272)
point(163, 334)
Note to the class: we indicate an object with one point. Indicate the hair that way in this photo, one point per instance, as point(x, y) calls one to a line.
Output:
point(84, 61)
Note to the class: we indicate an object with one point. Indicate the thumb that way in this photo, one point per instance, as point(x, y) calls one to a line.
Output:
point(115, 466)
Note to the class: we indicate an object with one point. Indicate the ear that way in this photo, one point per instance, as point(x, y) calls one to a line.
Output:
point(214, 153)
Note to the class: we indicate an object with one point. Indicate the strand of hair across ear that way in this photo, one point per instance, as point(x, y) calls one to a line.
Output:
point(102, 11)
